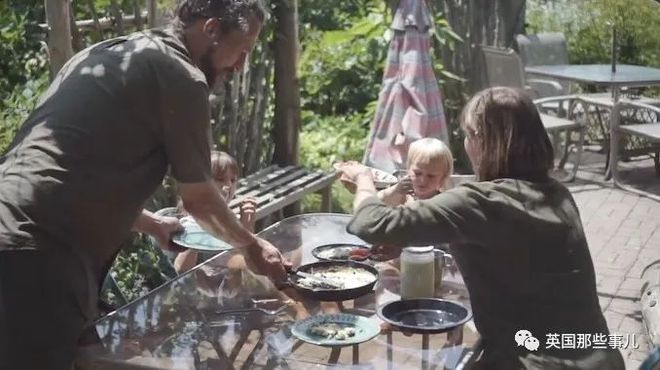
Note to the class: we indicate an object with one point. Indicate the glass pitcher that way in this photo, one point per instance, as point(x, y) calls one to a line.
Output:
point(417, 272)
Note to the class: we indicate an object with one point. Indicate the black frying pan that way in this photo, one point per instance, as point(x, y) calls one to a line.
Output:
point(332, 295)
point(425, 315)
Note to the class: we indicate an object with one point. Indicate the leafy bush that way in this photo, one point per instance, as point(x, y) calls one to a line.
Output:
point(326, 140)
point(588, 26)
point(22, 53)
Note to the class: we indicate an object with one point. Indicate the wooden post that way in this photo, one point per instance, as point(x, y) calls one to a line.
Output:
point(152, 13)
point(115, 9)
point(138, 14)
point(59, 34)
point(287, 92)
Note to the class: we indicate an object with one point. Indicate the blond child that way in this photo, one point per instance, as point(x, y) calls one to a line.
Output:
point(225, 176)
point(430, 164)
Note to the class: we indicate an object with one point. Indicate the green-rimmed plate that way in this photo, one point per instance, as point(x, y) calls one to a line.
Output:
point(194, 237)
point(364, 329)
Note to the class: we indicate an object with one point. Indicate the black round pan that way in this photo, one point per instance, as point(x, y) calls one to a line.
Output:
point(425, 315)
point(333, 295)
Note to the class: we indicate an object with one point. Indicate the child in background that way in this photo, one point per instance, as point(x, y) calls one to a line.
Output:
point(225, 176)
point(430, 164)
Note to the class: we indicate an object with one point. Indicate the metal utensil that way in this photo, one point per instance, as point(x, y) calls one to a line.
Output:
point(274, 312)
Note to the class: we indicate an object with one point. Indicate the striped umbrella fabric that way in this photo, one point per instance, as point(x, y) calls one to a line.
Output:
point(409, 103)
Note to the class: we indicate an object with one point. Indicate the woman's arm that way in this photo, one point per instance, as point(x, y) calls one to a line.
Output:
point(391, 196)
point(446, 217)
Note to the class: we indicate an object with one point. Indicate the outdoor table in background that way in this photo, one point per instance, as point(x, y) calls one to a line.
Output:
point(602, 75)
point(177, 325)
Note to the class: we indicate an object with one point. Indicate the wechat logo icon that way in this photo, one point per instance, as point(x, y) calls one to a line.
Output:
point(526, 339)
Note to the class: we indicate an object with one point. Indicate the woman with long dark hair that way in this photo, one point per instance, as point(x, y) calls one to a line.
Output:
point(515, 234)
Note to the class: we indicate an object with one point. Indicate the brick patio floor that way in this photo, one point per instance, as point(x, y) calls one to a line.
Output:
point(623, 231)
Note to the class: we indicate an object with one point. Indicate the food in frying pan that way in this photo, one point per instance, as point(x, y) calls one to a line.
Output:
point(347, 277)
point(331, 330)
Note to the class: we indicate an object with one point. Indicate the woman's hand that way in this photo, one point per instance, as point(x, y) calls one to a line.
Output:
point(351, 170)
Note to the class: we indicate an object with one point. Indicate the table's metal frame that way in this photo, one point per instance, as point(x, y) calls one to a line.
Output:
point(615, 117)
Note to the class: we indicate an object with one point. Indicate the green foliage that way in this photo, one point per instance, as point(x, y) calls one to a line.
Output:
point(341, 70)
point(22, 58)
point(588, 26)
point(138, 268)
point(326, 140)
point(18, 105)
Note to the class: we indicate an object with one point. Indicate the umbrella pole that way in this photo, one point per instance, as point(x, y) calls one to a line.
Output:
point(614, 46)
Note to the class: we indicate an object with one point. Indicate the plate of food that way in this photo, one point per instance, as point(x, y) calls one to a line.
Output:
point(349, 252)
point(334, 280)
point(194, 237)
point(341, 252)
point(381, 178)
point(336, 330)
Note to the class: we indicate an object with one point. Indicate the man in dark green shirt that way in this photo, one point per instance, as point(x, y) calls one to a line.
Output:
point(75, 178)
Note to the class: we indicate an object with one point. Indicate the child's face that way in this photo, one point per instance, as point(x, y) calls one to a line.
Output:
point(427, 179)
point(226, 183)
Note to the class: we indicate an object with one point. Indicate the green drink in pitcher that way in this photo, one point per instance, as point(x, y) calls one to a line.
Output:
point(417, 272)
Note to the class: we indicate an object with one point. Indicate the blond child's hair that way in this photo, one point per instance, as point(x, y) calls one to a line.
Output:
point(431, 151)
point(223, 162)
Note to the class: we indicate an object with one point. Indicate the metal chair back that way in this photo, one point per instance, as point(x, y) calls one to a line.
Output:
point(543, 49)
point(502, 67)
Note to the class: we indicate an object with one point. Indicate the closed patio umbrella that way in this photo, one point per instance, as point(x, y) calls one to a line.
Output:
point(409, 103)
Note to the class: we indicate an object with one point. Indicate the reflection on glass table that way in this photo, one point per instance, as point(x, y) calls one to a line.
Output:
point(222, 316)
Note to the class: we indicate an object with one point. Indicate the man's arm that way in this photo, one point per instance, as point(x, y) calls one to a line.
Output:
point(203, 202)
point(159, 227)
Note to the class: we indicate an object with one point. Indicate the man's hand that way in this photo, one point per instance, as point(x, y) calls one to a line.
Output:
point(162, 231)
point(264, 259)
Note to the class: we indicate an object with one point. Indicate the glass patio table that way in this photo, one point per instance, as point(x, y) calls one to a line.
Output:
point(623, 75)
point(185, 324)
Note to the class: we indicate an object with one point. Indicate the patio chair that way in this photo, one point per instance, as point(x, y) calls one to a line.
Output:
point(503, 67)
point(548, 49)
point(640, 123)
point(544, 49)
point(552, 49)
